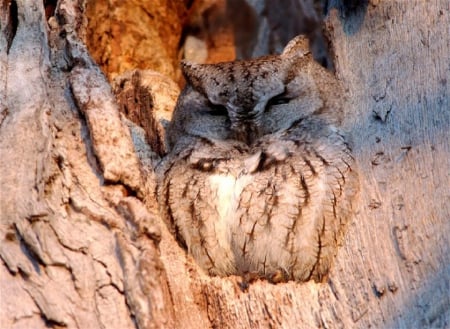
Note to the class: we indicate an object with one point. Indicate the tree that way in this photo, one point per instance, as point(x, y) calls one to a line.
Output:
point(82, 245)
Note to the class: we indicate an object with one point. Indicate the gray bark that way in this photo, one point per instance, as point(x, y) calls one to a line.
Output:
point(81, 241)
point(71, 230)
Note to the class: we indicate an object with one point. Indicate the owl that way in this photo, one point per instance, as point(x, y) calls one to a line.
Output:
point(259, 180)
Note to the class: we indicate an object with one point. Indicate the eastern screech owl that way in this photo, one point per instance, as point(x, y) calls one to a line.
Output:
point(259, 180)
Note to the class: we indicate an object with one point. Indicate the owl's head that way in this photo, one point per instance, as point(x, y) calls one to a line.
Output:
point(259, 96)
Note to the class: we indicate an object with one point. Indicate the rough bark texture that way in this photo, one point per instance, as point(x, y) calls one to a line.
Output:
point(71, 225)
point(147, 98)
point(125, 35)
point(81, 242)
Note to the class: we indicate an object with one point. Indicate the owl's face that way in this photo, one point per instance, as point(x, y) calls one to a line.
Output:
point(244, 100)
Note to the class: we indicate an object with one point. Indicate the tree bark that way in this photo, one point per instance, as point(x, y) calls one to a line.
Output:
point(72, 225)
point(82, 244)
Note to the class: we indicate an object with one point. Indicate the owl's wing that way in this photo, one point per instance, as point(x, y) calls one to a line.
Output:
point(291, 214)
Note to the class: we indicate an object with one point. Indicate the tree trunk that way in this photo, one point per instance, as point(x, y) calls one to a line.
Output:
point(82, 244)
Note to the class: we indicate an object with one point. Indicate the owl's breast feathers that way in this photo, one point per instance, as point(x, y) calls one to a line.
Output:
point(277, 207)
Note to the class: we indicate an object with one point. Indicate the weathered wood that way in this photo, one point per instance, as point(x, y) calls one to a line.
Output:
point(125, 35)
point(147, 98)
point(68, 169)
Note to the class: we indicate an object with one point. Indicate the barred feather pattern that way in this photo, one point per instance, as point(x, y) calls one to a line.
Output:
point(245, 211)
point(275, 205)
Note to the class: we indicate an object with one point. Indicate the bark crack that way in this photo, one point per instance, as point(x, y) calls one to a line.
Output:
point(12, 22)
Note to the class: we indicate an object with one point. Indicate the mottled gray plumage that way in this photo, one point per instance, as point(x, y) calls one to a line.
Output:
point(259, 179)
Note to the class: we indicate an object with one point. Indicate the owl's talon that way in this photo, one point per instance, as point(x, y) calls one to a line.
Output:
point(278, 276)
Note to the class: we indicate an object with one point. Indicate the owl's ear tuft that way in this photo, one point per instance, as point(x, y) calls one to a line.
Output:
point(297, 47)
point(202, 77)
point(192, 72)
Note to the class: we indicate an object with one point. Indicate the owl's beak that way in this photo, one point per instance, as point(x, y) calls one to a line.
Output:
point(246, 133)
point(245, 122)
